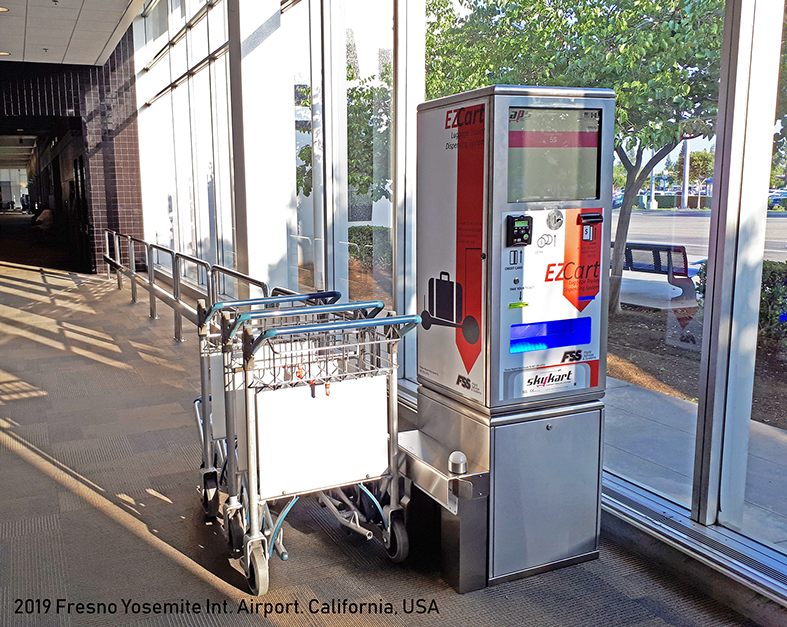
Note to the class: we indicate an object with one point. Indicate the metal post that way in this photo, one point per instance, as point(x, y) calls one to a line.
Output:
point(255, 528)
point(151, 281)
point(106, 250)
point(686, 160)
point(117, 259)
point(204, 366)
point(229, 413)
point(132, 264)
point(652, 186)
point(393, 426)
point(176, 294)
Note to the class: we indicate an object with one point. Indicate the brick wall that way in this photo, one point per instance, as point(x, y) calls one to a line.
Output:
point(105, 99)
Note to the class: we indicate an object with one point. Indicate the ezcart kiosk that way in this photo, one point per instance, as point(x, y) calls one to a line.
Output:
point(513, 201)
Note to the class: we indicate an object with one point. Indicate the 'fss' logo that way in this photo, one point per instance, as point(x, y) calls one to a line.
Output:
point(570, 356)
point(463, 381)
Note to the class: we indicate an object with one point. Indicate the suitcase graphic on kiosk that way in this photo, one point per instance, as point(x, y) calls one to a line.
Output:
point(444, 308)
point(445, 300)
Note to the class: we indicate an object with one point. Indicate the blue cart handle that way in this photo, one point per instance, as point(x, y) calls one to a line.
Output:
point(407, 324)
point(374, 307)
point(330, 297)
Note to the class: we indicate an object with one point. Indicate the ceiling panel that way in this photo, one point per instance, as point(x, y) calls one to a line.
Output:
point(49, 31)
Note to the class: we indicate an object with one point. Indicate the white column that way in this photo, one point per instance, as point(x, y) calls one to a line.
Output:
point(747, 105)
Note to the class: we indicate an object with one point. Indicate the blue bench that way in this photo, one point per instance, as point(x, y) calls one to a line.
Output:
point(667, 259)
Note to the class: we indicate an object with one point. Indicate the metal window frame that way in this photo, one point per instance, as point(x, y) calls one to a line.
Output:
point(409, 90)
point(747, 104)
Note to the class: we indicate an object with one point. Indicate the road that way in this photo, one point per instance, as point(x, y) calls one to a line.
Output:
point(691, 229)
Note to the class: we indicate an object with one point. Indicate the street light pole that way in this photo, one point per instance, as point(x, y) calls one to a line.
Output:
point(685, 199)
point(653, 185)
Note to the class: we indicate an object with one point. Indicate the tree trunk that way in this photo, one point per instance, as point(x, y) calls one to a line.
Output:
point(621, 234)
point(635, 177)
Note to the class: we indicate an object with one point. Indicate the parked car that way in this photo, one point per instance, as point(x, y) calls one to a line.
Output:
point(777, 199)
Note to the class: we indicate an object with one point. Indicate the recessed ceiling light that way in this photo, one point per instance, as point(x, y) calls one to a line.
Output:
point(3, 9)
point(5, 54)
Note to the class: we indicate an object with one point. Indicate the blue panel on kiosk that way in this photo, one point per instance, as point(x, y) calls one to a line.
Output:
point(536, 336)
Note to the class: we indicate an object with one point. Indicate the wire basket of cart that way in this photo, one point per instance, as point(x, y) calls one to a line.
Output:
point(221, 399)
point(321, 418)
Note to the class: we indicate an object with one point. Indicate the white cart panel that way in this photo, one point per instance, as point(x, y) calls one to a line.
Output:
point(308, 443)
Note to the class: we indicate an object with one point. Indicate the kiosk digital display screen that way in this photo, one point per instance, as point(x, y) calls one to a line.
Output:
point(553, 154)
point(536, 336)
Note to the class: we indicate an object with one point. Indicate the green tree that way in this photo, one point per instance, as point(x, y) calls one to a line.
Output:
point(780, 136)
point(619, 176)
point(369, 103)
point(662, 58)
point(700, 166)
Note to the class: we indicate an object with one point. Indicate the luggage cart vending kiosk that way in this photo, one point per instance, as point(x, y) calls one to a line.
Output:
point(514, 198)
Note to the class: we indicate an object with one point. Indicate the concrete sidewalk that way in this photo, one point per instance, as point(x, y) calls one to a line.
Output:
point(650, 436)
point(649, 439)
point(100, 454)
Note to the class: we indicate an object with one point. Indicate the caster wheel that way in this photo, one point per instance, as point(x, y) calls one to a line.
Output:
point(234, 535)
point(258, 572)
point(210, 496)
point(398, 547)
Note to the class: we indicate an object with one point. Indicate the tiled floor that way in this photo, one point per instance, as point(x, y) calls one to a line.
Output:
point(99, 456)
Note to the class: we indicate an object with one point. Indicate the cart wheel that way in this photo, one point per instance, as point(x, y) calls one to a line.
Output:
point(398, 543)
point(234, 535)
point(210, 496)
point(258, 572)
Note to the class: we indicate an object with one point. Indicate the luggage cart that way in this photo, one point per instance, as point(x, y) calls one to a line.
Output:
point(319, 421)
point(218, 470)
point(222, 384)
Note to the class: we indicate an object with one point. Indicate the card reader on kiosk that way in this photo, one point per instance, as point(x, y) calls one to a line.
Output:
point(518, 183)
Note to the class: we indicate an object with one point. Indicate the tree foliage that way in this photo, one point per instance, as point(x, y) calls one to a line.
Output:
point(662, 58)
point(369, 103)
point(700, 166)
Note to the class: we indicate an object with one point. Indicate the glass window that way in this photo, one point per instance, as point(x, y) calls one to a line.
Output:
point(177, 16)
point(156, 25)
point(306, 246)
point(157, 165)
point(223, 170)
point(198, 42)
point(192, 6)
point(202, 162)
point(178, 59)
point(217, 25)
point(660, 228)
point(184, 175)
point(763, 512)
point(364, 233)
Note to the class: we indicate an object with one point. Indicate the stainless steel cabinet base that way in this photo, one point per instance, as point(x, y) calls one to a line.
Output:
point(545, 488)
point(544, 568)
point(541, 510)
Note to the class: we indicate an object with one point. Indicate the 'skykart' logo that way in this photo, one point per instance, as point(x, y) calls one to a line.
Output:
point(551, 379)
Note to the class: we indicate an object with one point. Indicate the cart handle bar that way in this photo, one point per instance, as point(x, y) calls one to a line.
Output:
point(407, 323)
point(374, 307)
point(331, 297)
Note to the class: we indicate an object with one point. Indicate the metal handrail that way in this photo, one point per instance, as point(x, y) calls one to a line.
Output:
point(177, 259)
point(173, 299)
point(218, 270)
